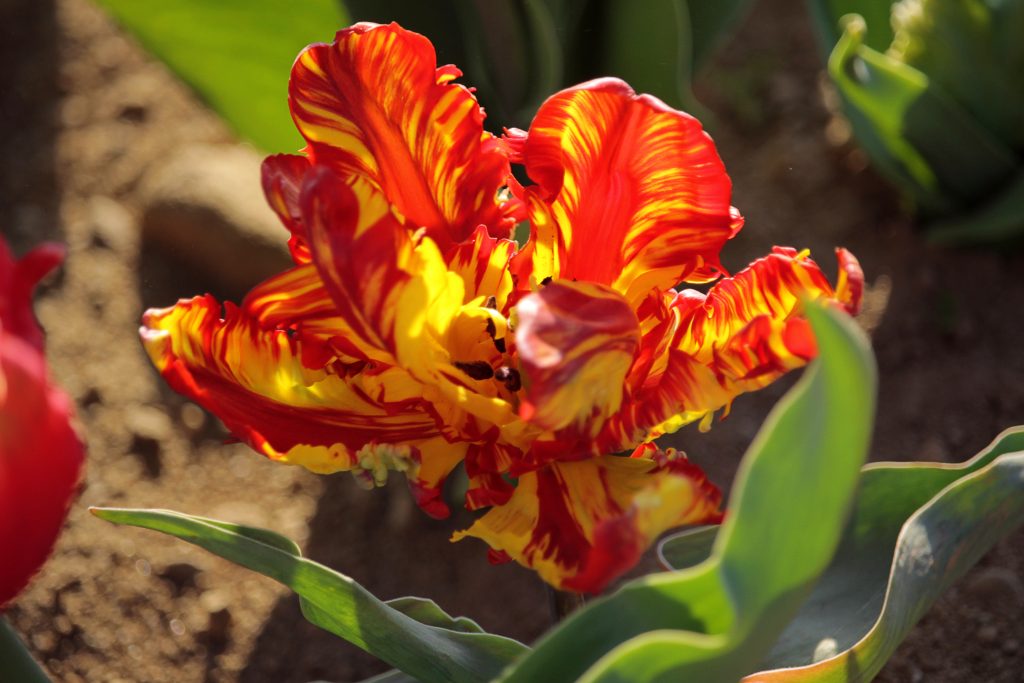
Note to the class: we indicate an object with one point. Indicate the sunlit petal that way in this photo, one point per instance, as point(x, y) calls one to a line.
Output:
point(374, 104)
point(582, 524)
point(286, 395)
point(637, 195)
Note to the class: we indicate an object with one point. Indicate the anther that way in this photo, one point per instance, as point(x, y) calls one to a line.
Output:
point(492, 330)
point(491, 303)
point(546, 281)
point(510, 377)
point(477, 369)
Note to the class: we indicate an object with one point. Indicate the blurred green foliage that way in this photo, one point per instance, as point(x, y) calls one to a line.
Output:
point(236, 54)
point(934, 91)
point(518, 52)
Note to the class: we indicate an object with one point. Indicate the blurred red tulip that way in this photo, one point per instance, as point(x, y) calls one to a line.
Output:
point(40, 453)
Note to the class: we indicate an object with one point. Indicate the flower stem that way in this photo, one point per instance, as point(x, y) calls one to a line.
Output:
point(16, 664)
point(564, 603)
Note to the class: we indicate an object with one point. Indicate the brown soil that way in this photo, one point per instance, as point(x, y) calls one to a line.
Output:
point(85, 112)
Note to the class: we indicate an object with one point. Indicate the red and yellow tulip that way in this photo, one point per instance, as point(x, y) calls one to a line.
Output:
point(413, 335)
point(40, 454)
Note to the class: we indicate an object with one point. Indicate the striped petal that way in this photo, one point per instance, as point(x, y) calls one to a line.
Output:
point(288, 394)
point(630, 193)
point(374, 104)
point(582, 524)
point(749, 329)
point(396, 294)
point(699, 352)
point(576, 341)
point(483, 264)
point(282, 176)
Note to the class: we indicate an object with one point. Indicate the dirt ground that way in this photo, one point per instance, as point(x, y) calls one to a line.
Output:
point(85, 113)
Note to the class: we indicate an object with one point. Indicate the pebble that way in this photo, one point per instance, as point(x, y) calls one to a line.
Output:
point(112, 225)
point(997, 589)
point(988, 634)
point(205, 207)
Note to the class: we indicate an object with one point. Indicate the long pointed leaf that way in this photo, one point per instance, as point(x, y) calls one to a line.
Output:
point(918, 528)
point(423, 650)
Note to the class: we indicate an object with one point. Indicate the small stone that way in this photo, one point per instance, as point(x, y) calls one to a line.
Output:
point(934, 449)
point(149, 427)
point(112, 225)
point(204, 206)
point(988, 634)
point(997, 589)
point(192, 417)
point(1011, 646)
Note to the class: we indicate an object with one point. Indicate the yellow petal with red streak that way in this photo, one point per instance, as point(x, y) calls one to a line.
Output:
point(576, 341)
point(582, 524)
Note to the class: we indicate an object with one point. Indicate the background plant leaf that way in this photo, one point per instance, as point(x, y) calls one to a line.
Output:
point(827, 15)
point(236, 54)
point(710, 22)
point(913, 131)
point(999, 219)
point(717, 620)
point(438, 648)
point(917, 527)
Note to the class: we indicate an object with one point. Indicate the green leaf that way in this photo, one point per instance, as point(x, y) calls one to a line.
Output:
point(16, 664)
point(688, 548)
point(648, 44)
point(967, 51)
point(717, 620)
point(439, 648)
point(236, 54)
point(917, 527)
point(709, 21)
point(999, 219)
point(917, 135)
point(827, 15)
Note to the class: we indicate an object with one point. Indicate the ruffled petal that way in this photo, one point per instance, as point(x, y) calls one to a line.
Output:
point(582, 524)
point(576, 341)
point(483, 264)
point(396, 294)
point(374, 104)
point(630, 193)
point(282, 176)
point(749, 329)
point(705, 350)
point(287, 395)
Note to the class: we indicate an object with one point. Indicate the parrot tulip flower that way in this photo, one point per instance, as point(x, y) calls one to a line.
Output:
point(40, 454)
point(413, 335)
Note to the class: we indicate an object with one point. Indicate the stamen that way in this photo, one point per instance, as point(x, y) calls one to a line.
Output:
point(546, 281)
point(477, 369)
point(493, 330)
point(510, 377)
point(491, 303)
